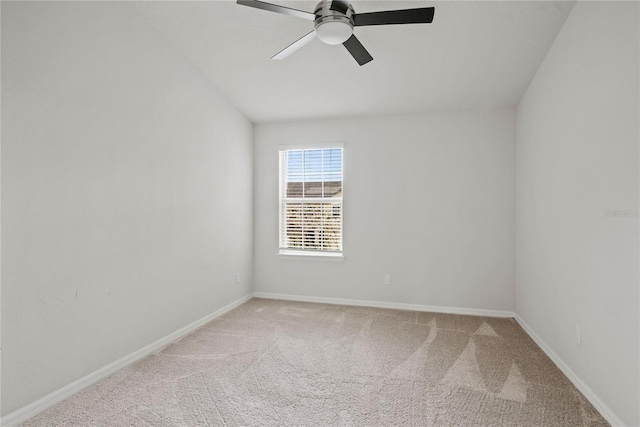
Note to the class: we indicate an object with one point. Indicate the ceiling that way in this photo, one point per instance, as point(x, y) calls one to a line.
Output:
point(475, 55)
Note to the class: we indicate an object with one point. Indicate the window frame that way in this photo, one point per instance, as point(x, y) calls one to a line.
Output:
point(308, 254)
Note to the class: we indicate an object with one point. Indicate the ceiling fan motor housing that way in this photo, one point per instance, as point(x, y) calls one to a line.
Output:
point(333, 26)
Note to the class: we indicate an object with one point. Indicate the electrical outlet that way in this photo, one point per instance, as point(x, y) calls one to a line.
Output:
point(578, 336)
point(387, 279)
point(237, 277)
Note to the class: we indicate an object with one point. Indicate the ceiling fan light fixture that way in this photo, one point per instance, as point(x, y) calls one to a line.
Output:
point(334, 32)
point(334, 21)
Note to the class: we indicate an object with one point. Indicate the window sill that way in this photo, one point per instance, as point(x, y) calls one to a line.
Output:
point(310, 256)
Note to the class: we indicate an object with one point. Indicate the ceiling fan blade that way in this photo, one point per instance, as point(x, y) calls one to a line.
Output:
point(423, 15)
point(340, 5)
point(295, 45)
point(278, 9)
point(358, 51)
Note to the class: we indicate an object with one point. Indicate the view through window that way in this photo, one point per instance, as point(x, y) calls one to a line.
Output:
point(311, 200)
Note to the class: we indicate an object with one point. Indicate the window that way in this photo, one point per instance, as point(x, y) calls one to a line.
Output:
point(311, 201)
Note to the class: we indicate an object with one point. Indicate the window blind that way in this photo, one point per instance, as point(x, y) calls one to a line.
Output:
point(311, 186)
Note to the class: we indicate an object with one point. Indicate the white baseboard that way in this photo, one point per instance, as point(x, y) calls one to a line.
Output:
point(23, 414)
point(597, 403)
point(392, 305)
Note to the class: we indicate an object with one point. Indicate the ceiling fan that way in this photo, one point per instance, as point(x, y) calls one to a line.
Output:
point(334, 21)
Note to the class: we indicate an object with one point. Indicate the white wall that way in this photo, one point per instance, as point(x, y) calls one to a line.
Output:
point(126, 193)
point(428, 199)
point(577, 157)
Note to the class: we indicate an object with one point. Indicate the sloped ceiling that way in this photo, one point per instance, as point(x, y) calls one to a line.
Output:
point(474, 55)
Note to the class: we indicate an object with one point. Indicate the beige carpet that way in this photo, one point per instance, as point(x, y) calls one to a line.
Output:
point(271, 363)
